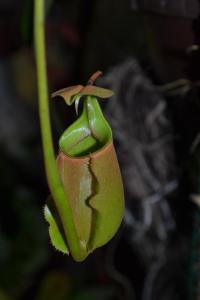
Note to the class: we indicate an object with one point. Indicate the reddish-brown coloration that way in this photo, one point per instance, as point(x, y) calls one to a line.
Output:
point(94, 187)
point(94, 77)
point(67, 93)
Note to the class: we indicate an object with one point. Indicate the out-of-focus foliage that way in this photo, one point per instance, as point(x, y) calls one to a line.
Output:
point(156, 136)
point(54, 286)
point(178, 8)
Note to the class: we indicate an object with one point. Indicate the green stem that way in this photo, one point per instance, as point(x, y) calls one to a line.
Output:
point(53, 177)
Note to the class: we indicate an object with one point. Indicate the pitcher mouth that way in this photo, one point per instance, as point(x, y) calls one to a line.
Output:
point(99, 151)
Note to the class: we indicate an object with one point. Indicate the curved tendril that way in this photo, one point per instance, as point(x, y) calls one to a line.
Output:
point(94, 77)
point(55, 183)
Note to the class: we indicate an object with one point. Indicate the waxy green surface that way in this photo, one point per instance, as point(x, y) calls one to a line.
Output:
point(90, 174)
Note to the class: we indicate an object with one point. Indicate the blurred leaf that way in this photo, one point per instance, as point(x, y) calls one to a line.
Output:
point(4, 296)
point(27, 21)
point(24, 77)
point(24, 239)
point(98, 293)
point(55, 286)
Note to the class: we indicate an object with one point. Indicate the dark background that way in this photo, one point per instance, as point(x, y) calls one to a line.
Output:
point(141, 46)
